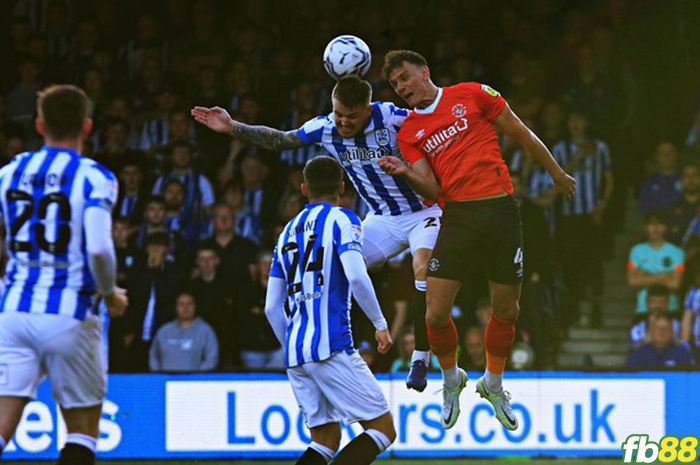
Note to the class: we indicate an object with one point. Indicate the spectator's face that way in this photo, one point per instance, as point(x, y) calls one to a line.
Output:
point(156, 253)
point(350, 120)
point(656, 231)
point(166, 100)
point(661, 333)
point(292, 207)
point(475, 345)
point(119, 108)
point(29, 72)
point(131, 177)
point(234, 198)
point(691, 180)
point(666, 156)
point(117, 135)
point(120, 231)
point(155, 213)
point(657, 303)
point(181, 158)
point(174, 196)
point(552, 115)
point(13, 146)
point(178, 126)
point(577, 126)
point(223, 220)
point(93, 81)
point(207, 261)
point(185, 307)
point(252, 170)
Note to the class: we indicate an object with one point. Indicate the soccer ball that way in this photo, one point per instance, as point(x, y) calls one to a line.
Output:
point(346, 56)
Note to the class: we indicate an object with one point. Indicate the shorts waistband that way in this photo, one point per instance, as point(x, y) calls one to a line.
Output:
point(505, 200)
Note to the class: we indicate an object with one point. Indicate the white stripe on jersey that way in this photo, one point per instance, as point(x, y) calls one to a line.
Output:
point(588, 175)
point(307, 257)
point(384, 194)
point(43, 197)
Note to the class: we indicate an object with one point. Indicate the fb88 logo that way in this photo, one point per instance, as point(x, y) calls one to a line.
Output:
point(669, 449)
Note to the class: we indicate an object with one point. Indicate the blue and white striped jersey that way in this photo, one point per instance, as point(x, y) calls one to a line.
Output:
point(43, 198)
point(307, 257)
point(692, 303)
point(384, 194)
point(588, 175)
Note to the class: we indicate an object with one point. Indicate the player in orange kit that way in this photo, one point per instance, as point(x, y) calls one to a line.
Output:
point(454, 128)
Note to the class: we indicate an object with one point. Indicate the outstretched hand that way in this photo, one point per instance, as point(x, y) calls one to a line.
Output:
point(215, 118)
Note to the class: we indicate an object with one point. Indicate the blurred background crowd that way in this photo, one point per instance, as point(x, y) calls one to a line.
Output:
point(607, 85)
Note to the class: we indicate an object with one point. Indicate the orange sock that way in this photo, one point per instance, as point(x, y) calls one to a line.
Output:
point(499, 337)
point(443, 343)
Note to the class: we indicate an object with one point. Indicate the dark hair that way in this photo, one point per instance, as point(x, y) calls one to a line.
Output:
point(656, 216)
point(156, 199)
point(323, 175)
point(352, 91)
point(395, 58)
point(205, 246)
point(180, 143)
point(657, 290)
point(63, 108)
point(173, 181)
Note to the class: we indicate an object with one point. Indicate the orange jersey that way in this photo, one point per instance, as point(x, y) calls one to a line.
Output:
point(457, 136)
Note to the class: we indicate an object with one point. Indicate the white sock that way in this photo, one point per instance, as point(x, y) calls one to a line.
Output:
point(421, 355)
point(493, 381)
point(84, 440)
point(422, 286)
point(380, 438)
point(326, 452)
point(450, 377)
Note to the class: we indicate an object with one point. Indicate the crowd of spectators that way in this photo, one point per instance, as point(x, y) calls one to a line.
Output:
point(198, 212)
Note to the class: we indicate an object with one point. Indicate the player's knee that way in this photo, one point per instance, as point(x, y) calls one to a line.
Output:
point(385, 425)
point(420, 264)
point(506, 309)
point(436, 319)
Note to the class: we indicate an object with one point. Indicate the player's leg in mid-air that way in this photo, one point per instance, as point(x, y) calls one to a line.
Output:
point(421, 229)
point(387, 237)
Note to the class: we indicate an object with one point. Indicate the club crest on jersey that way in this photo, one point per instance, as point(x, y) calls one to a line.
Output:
point(356, 233)
point(458, 110)
point(382, 136)
point(489, 90)
point(420, 133)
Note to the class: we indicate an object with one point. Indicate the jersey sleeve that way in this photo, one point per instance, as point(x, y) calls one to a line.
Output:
point(104, 188)
point(312, 131)
point(409, 151)
point(397, 116)
point(276, 270)
point(488, 100)
point(347, 232)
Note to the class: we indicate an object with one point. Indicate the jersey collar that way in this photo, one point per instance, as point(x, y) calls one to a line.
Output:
point(431, 108)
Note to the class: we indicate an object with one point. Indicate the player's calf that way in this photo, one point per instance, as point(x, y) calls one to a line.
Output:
point(79, 450)
point(378, 436)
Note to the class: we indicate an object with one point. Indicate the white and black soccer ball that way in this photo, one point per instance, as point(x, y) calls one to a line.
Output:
point(347, 56)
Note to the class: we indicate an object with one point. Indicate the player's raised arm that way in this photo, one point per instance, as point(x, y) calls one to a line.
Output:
point(420, 176)
point(513, 127)
point(217, 119)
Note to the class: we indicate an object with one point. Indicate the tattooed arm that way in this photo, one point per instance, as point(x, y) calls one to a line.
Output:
point(217, 119)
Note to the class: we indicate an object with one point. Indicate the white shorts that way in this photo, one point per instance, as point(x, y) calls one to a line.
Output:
point(387, 236)
point(66, 350)
point(339, 388)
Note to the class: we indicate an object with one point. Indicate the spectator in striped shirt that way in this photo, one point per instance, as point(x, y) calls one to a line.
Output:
point(656, 262)
point(579, 226)
point(687, 207)
point(690, 326)
point(663, 188)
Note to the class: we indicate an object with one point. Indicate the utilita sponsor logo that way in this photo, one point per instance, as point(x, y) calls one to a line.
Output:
point(443, 139)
